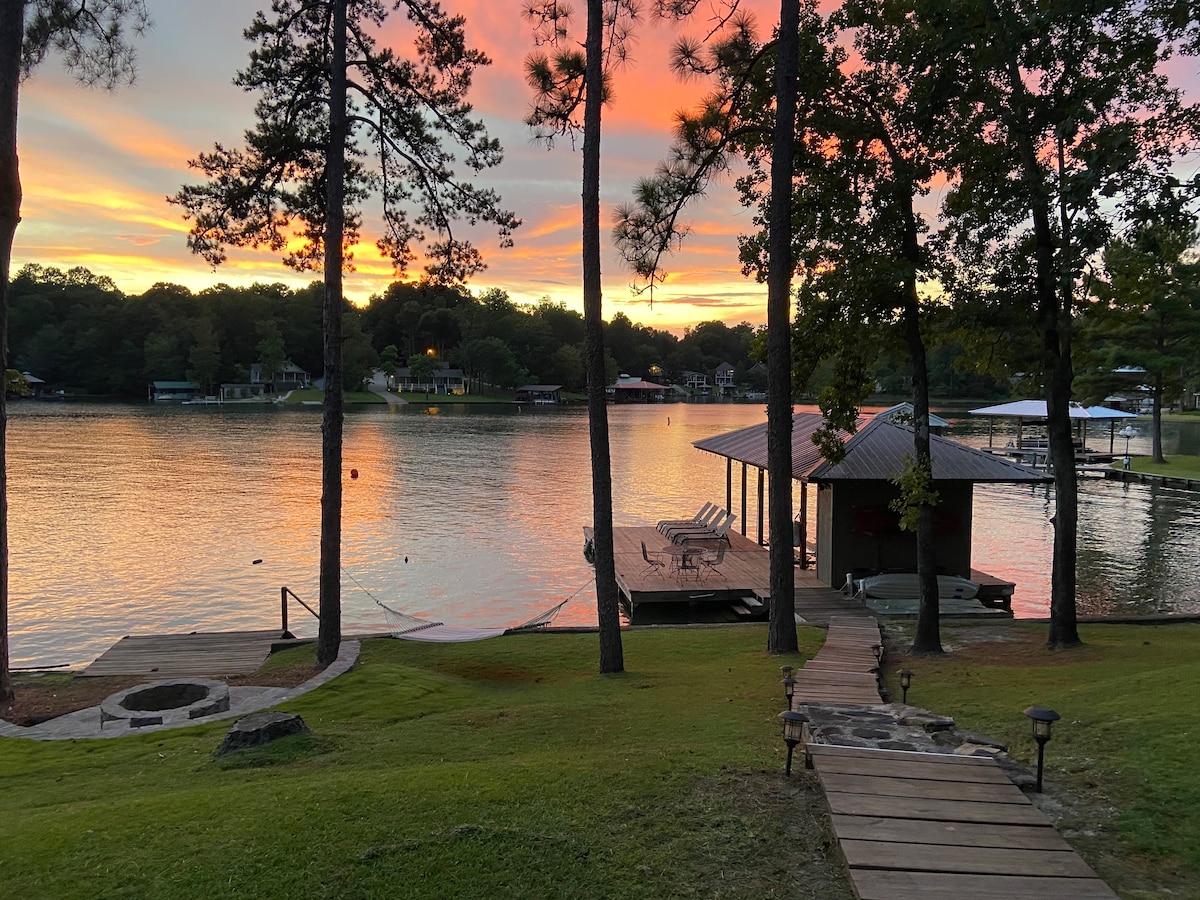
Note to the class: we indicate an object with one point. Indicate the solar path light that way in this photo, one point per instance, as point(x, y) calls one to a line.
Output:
point(1042, 719)
point(793, 734)
point(905, 684)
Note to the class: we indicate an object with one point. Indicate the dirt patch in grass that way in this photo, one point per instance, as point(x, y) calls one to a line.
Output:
point(1001, 644)
point(39, 698)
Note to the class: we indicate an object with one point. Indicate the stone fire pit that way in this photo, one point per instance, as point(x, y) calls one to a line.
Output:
point(160, 702)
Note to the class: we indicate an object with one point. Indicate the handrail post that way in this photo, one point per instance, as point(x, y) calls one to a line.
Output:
point(287, 635)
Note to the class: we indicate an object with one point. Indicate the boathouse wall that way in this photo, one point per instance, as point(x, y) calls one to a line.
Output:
point(857, 532)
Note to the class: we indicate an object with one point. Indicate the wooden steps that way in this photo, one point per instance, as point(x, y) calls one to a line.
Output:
point(929, 825)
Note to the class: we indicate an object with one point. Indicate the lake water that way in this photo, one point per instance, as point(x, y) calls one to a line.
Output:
point(140, 519)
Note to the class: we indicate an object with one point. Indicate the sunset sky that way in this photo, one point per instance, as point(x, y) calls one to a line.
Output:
point(97, 167)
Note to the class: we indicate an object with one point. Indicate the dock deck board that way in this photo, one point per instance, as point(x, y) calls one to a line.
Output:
point(184, 655)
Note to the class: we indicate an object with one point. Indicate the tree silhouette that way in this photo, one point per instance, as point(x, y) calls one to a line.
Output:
point(342, 120)
point(92, 36)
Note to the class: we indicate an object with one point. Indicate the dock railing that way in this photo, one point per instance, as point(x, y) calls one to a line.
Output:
point(284, 593)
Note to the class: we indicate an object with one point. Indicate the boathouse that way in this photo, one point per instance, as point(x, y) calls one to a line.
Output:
point(857, 531)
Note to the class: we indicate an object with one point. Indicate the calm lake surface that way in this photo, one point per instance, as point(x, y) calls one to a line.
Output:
point(138, 519)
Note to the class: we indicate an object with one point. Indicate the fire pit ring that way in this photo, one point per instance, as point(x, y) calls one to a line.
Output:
point(160, 702)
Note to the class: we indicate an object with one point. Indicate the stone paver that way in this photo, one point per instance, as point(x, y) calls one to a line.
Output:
point(85, 723)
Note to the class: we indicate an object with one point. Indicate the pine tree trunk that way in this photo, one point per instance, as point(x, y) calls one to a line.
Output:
point(12, 16)
point(781, 634)
point(928, 638)
point(329, 635)
point(611, 652)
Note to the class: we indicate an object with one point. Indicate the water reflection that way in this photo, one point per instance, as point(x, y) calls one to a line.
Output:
point(146, 519)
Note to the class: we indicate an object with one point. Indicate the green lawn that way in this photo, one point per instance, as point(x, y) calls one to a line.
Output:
point(504, 768)
point(309, 395)
point(1174, 467)
point(508, 768)
point(420, 397)
point(1127, 743)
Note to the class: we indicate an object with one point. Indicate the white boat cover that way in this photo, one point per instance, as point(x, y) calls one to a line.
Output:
point(905, 585)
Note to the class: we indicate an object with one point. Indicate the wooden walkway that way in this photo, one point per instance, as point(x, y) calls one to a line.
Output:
point(180, 655)
point(929, 825)
point(843, 671)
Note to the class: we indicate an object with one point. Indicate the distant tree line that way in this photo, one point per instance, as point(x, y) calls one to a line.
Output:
point(76, 330)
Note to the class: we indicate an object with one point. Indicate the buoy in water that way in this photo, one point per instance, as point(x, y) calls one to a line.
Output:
point(354, 473)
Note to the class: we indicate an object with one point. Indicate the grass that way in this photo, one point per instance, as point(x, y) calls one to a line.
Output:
point(420, 397)
point(1174, 467)
point(1127, 748)
point(309, 395)
point(504, 768)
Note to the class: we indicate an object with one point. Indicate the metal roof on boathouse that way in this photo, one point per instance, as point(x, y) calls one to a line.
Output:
point(875, 452)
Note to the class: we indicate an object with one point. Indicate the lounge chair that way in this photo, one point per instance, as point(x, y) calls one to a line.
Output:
point(675, 534)
point(715, 515)
point(703, 520)
point(705, 510)
point(719, 532)
point(654, 562)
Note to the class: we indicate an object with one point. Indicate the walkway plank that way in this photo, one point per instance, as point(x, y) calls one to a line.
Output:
point(923, 788)
point(977, 860)
point(949, 834)
point(937, 810)
point(882, 884)
point(914, 769)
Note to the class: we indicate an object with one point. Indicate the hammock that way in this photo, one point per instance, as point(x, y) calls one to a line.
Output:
point(410, 628)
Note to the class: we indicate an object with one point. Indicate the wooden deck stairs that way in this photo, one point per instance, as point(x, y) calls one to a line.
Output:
point(943, 827)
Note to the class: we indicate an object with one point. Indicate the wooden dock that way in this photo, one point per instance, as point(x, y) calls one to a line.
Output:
point(186, 655)
point(744, 578)
point(843, 672)
point(930, 825)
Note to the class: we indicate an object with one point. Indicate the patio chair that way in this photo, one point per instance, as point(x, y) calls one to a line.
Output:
point(654, 562)
point(701, 519)
point(712, 559)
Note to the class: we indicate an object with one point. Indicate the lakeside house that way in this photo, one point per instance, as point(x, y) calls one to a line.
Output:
point(443, 380)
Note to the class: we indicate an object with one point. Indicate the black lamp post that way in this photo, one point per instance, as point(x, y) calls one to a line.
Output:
point(1041, 718)
point(1127, 432)
point(905, 684)
point(793, 734)
point(789, 688)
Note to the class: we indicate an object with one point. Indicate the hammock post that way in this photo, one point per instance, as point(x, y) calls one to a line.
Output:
point(287, 635)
